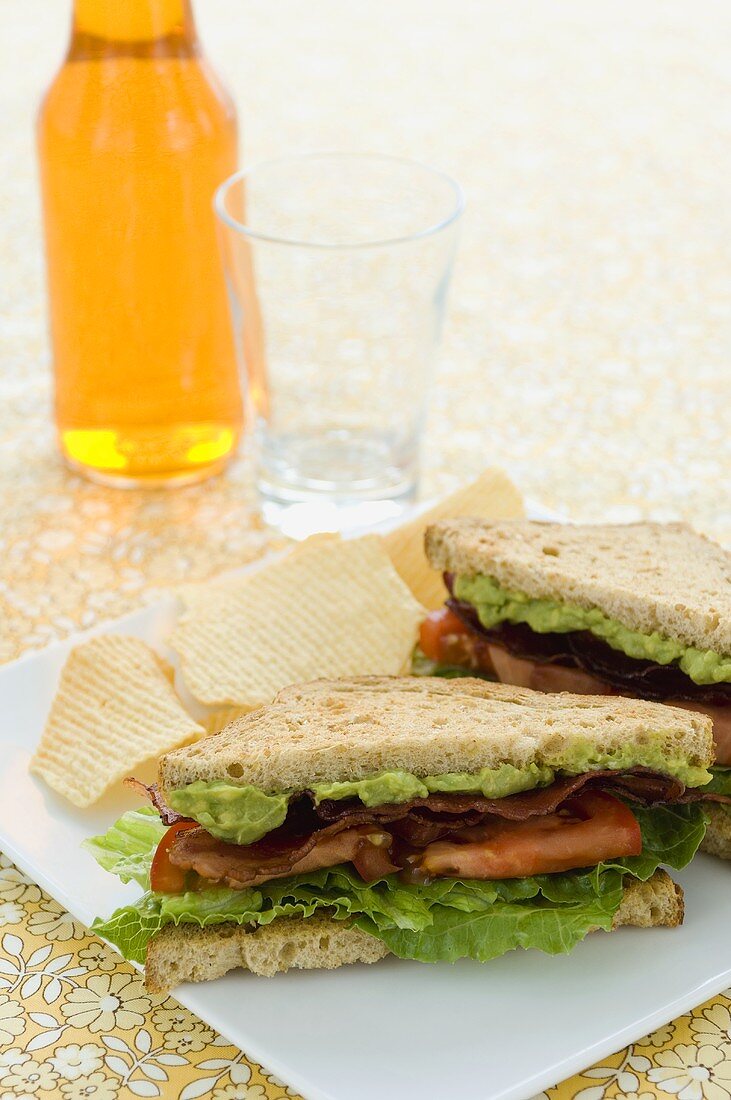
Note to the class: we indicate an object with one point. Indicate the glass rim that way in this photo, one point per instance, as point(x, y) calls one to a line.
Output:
point(222, 191)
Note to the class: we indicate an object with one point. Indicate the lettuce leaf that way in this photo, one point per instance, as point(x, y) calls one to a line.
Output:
point(421, 665)
point(721, 782)
point(488, 933)
point(444, 920)
point(132, 927)
point(671, 835)
point(128, 847)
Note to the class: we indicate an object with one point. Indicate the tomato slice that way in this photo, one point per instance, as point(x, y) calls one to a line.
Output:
point(165, 878)
point(524, 672)
point(437, 626)
point(587, 829)
point(444, 638)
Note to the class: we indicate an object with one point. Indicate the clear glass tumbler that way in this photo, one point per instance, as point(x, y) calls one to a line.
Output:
point(337, 267)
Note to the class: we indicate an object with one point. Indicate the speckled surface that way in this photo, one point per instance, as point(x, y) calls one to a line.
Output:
point(588, 346)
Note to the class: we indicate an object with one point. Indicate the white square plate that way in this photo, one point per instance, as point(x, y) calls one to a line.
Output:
point(396, 1030)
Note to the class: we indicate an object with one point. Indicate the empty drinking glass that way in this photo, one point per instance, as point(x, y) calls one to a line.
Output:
point(337, 267)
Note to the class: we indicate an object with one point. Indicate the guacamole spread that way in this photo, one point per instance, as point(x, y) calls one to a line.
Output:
point(397, 786)
point(495, 604)
point(243, 814)
point(239, 814)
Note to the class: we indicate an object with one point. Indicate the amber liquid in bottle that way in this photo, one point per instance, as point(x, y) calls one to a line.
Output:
point(135, 134)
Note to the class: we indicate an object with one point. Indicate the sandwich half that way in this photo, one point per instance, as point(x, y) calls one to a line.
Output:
point(641, 609)
point(431, 819)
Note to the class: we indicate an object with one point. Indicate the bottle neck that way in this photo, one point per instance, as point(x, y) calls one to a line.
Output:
point(133, 21)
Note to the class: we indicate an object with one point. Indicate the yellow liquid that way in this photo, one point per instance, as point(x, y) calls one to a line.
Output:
point(134, 137)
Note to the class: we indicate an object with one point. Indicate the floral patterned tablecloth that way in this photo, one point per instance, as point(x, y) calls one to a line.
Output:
point(76, 1022)
point(587, 350)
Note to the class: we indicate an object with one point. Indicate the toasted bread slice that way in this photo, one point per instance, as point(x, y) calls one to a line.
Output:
point(649, 576)
point(717, 840)
point(491, 494)
point(187, 953)
point(332, 730)
point(657, 903)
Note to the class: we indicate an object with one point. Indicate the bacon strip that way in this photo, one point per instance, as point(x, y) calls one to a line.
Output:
point(639, 784)
point(423, 820)
point(168, 815)
point(370, 837)
point(583, 651)
point(697, 794)
point(544, 676)
point(239, 866)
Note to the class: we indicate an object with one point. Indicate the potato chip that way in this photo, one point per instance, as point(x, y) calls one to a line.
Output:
point(330, 607)
point(115, 708)
point(212, 596)
point(491, 496)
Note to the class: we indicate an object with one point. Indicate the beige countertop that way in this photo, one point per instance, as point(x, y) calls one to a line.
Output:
point(588, 345)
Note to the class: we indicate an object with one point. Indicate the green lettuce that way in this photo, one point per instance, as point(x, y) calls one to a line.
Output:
point(128, 847)
point(421, 665)
point(443, 920)
point(721, 781)
point(671, 835)
point(488, 933)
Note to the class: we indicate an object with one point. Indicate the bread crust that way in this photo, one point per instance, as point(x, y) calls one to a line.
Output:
point(717, 841)
point(331, 730)
point(649, 576)
point(656, 903)
point(187, 953)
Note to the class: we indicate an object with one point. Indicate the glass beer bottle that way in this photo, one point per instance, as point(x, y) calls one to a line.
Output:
point(134, 134)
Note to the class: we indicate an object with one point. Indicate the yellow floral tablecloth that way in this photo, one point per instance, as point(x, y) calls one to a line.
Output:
point(587, 350)
point(76, 1022)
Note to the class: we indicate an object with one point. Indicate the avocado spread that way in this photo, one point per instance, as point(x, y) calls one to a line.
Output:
point(398, 786)
point(495, 604)
point(243, 814)
point(240, 814)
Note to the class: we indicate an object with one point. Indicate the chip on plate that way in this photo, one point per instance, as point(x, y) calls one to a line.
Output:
point(330, 607)
point(114, 709)
point(491, 496)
